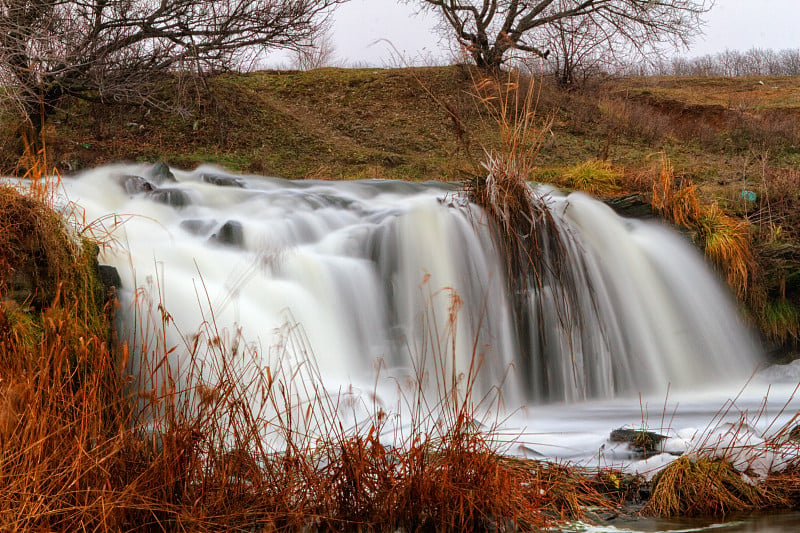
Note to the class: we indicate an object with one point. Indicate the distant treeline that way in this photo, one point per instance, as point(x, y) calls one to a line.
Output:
point(730, 63)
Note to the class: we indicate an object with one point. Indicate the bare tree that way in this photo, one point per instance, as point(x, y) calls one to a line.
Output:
point(112, 50)
point(320, 53)
point(580, 47)
point(489, 29)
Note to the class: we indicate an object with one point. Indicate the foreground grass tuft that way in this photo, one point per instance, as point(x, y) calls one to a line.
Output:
point(697, 486)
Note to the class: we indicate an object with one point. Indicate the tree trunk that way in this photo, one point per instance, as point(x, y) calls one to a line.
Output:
point(488, 57)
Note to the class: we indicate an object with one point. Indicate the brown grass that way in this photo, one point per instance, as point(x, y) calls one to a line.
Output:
point(697, 486)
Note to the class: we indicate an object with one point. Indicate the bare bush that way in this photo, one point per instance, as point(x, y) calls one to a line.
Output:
point(112, 51)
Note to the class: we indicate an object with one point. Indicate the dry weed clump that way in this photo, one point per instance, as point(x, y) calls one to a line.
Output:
point(727, 244)
point(526, 227)
point(697, 486)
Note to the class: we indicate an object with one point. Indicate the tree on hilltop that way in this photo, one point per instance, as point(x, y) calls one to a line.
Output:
point(489, 29)
point(114, 50)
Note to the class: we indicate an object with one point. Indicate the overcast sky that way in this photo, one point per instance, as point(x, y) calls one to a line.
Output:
point(362, 30)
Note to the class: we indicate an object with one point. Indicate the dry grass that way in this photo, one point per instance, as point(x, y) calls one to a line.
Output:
point(696, 486)
point(527, 230)
point(726, 242)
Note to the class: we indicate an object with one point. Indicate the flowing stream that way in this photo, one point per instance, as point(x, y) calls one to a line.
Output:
point(391, 281)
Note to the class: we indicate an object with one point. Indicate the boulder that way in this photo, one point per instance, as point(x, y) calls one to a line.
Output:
point(173, 197)
point(230, 233)
point(197, 226)
point(640, 441)
point(109, 277)
point(222, 181)
point(135, 184)
point(161, 173)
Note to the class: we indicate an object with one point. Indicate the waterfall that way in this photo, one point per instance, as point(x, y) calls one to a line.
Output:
point(380, 274)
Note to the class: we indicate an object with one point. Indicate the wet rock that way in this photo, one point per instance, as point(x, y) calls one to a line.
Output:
point(631, 206)
point(172, 197)
point(646, 443)
point(109, 277)
point(135, 184)
point(160, 173)
point(230, 233)
point(222, 181)
point(198, 226)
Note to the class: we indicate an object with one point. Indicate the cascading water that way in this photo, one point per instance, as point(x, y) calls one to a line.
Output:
point(372, 271)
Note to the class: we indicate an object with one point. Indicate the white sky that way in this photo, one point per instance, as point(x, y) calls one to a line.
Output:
point(362, 27)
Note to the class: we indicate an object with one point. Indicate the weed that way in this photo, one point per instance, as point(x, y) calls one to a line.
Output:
point(598, 178)
point(781, 321)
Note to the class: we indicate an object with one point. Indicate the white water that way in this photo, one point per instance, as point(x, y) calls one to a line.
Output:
point(369, 271)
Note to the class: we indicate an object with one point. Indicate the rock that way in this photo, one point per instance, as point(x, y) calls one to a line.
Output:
point(631, 206)
point(160, 173)
point(135, 184)
point(222, 181)
point(109, 277)
point(173, 197)
point(198, 226)
point(640, 441)
point(230, 233)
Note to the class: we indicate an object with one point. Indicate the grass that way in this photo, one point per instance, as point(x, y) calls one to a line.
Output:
point(703, 487)
point(595, 177)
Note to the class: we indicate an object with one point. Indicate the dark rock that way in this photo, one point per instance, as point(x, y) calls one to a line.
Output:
point(230, 233)
point(631, 206)
point(109, 277)
point(222, 181)
point(160, 173)
point(173, 197)
point(135, 184)
point(640, 441)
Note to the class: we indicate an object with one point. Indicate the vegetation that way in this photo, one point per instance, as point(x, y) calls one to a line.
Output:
point(101, 51)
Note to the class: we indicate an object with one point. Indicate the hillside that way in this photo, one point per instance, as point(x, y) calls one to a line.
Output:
point(734, 143)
